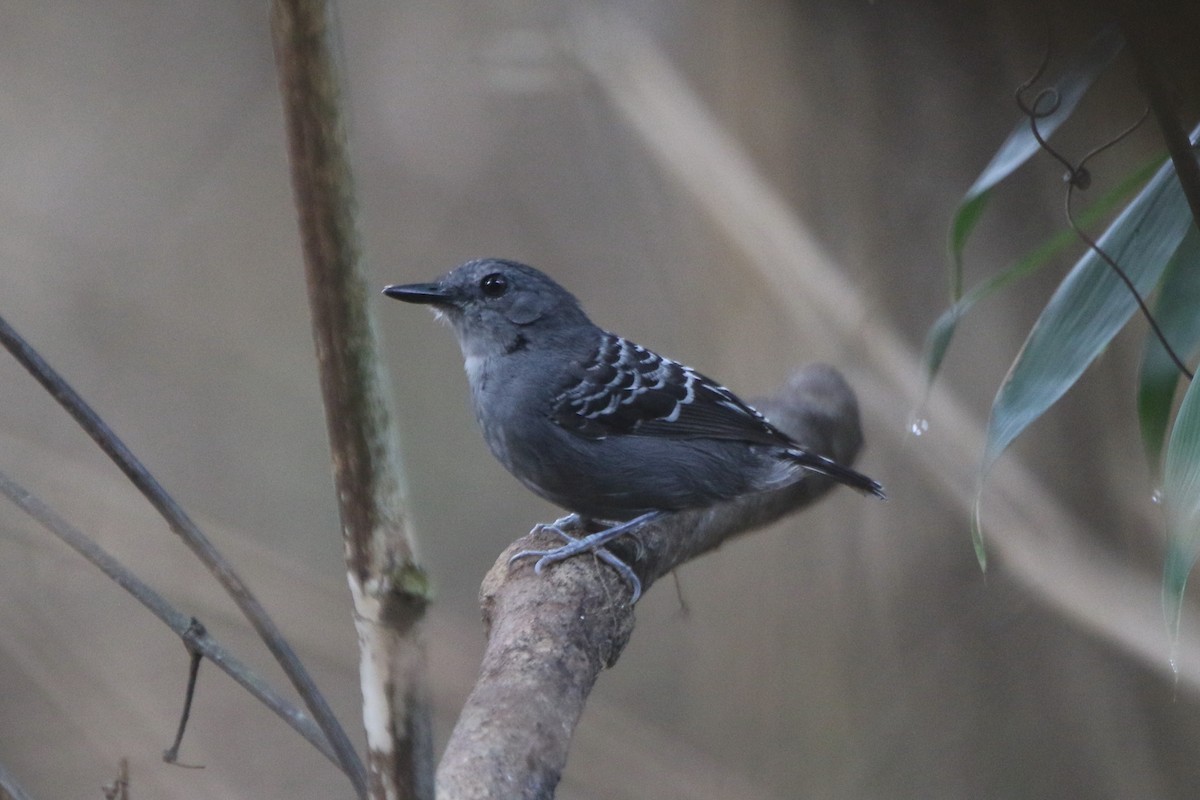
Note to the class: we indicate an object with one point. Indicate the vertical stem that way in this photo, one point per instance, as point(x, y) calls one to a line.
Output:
point(388, 588)
point(1142, 35)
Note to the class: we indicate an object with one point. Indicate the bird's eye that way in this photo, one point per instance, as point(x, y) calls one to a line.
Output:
point(494, 285)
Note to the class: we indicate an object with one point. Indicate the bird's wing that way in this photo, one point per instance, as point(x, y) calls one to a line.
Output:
point(625, 389)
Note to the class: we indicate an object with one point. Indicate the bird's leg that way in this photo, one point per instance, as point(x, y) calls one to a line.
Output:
point(595, 543)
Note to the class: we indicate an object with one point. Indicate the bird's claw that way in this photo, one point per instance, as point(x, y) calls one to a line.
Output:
point(593, 543)
point(538, 554)
point(639, 547)
point(560, 527)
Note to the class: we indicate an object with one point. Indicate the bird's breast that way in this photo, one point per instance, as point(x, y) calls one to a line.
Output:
point(476, 370)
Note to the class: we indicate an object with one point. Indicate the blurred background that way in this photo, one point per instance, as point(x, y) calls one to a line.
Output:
point(743, 186)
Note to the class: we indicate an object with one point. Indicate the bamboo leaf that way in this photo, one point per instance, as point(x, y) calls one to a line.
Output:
point(937, 340)
point(1181, 500)
point(1177, 311)
point(1090, 306)
point(1021, 144)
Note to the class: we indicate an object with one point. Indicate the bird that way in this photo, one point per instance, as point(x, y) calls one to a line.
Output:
point(605, 428)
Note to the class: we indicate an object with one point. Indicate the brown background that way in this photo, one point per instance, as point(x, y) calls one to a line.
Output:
point(148, 248)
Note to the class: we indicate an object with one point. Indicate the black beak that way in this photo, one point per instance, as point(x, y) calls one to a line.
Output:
point(428, 293)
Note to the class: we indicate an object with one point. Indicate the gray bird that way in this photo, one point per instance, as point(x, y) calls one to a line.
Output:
point(597, 424)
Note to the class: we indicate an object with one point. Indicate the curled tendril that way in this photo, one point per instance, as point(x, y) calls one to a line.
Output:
point(1091, 243)
point(1035, 110)
point(1045, 103)
point(1037, 74)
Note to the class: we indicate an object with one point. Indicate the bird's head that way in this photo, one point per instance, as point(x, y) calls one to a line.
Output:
point(497, 306)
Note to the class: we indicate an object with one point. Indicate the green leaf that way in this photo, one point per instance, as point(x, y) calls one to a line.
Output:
point(937, 340)
point(1181, 500)
point(1090, 306)
point(1021, 144)
point(1177, 311)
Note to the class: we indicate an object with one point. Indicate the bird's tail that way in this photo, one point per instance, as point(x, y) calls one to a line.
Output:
point(827, 466)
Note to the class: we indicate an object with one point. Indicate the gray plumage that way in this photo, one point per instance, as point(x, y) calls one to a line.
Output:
point(595, 423)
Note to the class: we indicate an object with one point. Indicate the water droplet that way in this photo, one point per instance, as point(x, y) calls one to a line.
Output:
point(1156, 497)
point(918, 426)
point(1173, 651)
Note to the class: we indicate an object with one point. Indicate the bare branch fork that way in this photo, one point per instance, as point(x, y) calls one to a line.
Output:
point(549, 635)
point(389, 590)
point(195, 637)
point(183, 526)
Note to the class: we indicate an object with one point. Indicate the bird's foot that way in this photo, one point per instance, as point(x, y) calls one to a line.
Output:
point(594, 543)
point(565, 527)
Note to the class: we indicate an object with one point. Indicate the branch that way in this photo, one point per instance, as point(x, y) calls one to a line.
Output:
point(183, 626)
point(389, 589)
point(187, 530)
point(549, 635)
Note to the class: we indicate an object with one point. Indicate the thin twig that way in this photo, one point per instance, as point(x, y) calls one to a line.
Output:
point(179, 623)
point(183, 526)
point(389, 589)
point(195, 630)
